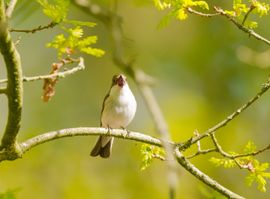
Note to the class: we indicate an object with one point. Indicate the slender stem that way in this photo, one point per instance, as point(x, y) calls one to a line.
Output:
point(252, 153)
point(218, 147)
point(201, 13)
point(34, 30)
point(63, 74)
point(204, 178)
point(229, 118)
point(202, 152)
point(14, 85)
point(252, 7)
point(242, 27)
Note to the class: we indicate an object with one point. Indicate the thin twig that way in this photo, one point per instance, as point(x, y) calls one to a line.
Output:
point(202, 152)
point(241, 27)
point(218, 147)
point(229, 156)
point(39, 28)
point(252, 153)
point(10, 8)
point(251, 8)
point(193, 140)
point(203, 177)
point(63, 74)
point(190, 10)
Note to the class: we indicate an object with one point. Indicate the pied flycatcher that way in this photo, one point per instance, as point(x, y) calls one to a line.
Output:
point(118, 109)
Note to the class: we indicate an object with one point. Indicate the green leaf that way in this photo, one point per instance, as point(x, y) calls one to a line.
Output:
point(149, 152)
point(182, 14)
point(161, 5)
point(261, 8)
point(75, 42)
point(76, 32)
point(251, 24)
point(250, 147)
point(201, 4)
point(226, 163)
point(258, 175)
point(93, 51)
point(81, 23)
point(56, 11)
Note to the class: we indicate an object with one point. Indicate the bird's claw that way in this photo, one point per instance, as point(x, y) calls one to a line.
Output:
point(127, 131)
point(109, 130)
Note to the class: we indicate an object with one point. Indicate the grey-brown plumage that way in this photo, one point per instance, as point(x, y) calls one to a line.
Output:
point(105, 151)
point(118, 109)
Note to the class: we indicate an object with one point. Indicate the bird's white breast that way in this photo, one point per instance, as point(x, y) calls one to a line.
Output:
point(119, 108)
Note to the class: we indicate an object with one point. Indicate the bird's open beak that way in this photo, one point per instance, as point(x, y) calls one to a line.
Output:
point(121, 81)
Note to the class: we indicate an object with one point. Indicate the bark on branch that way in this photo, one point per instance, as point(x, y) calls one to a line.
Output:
point(119, 133)
point(14, 86)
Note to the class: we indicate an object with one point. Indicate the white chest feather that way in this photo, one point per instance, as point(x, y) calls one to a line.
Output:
point(119, 108)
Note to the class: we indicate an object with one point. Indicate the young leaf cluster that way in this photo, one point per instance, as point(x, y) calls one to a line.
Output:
point(257, 171)
point(57, 11)
point(149, 152)
point(73, 40)
point(178, 8)
point(243, 8)
point(67, 45)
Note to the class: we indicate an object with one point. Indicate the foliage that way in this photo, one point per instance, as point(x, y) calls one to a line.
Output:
point(57, 11)
point(241, 9)
point(149, 152)
point(178, 8)
point(73, 41)
point(257, 171)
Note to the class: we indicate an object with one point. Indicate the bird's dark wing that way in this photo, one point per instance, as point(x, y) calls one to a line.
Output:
point(103, 105)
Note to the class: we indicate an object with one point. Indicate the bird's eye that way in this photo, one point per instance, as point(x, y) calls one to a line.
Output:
point(114, 79)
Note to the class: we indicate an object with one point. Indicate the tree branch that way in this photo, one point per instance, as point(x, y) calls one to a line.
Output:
point(119, 133)
point(63, 74)
point(14, 85)
point(10, 8)
point(34, 30)
point(251, 8)
point(229, 118)
point(242, 27)
point(204, 178)
point(208, 15)
point(202, 152)
point(252, 153)
point(80, 131)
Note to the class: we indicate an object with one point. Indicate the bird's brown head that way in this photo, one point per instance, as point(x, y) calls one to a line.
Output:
point(119, 80)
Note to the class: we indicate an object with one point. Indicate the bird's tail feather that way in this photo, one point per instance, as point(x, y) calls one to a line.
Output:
point(103, 151)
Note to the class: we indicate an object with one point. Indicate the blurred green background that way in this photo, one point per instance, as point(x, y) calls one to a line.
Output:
point(205, 69)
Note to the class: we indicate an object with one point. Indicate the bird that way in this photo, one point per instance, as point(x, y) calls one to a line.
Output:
point(118, 110)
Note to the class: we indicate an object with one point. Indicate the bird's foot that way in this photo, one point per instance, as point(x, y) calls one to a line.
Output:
point(127, 131)
point(109, 129)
